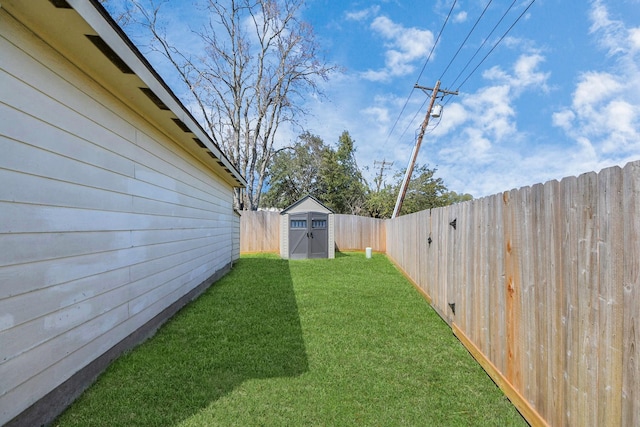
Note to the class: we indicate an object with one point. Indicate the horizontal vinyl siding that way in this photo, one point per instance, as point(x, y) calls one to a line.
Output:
point(236, 237)
point(104, 222)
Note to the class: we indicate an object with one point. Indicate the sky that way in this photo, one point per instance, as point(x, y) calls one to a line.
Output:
point(557, 92)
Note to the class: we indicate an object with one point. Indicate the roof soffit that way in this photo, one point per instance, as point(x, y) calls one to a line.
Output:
point(72, 32)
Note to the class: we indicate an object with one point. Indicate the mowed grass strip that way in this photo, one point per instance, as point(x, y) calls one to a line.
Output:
point(343, 342)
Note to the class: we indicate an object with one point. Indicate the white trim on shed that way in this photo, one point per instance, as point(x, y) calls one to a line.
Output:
point(307, 204)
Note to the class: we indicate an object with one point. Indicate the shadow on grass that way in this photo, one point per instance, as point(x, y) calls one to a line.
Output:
point(245, 326)
point(340, 254)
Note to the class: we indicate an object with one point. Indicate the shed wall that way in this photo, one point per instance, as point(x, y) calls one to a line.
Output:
point(104, 221)
point(332, 236)
point(284, 236)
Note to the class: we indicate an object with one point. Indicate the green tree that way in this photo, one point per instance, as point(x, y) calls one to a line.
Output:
point(425, 191)
point(380, 203)
point(343, 188)
point(295, 172)
point(313, 167)
point(333, 177)
point(452, 197)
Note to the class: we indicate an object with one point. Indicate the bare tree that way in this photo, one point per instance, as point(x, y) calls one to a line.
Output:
point(255, 62)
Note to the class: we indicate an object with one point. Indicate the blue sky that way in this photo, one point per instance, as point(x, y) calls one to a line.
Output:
point(559, 96)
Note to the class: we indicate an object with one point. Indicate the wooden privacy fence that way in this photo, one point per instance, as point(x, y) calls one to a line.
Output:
point(357, 233)
point(542, 284)
point(260, 231)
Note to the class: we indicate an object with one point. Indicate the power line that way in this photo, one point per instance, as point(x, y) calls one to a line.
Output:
point(497, 43)
point(456, 54)
point(484, 42)
point(465, 39)
point(406, 102)
point(437, 40)
point(399, 115)
point(436, 90)
point(414, 118)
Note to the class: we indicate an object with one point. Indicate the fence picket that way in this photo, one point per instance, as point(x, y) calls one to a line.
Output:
point(610, 241)
point(555, 303)
point(631, 311)
point(496, 304)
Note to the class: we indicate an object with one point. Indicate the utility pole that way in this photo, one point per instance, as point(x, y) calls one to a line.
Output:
point(414, 154)
point(383, 165)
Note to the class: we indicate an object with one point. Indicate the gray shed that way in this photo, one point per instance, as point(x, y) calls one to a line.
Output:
point(307, 230)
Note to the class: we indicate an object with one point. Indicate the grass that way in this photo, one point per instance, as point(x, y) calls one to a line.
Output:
point(338, 342)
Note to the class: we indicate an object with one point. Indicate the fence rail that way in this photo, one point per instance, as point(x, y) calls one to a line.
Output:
point(542, 284)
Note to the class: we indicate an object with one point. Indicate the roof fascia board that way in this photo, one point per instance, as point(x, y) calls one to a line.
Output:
point(102, 23)
point(309, 196)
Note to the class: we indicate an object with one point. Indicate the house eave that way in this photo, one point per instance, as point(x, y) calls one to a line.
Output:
point(77, 29)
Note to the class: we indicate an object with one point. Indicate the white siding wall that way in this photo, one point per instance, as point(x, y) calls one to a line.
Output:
point(236, 236)
point(103, 221)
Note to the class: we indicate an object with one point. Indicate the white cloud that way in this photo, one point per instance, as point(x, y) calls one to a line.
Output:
point(379, 115)
point(460, 17)
point(593, 89)
point(634, 38)
point(604, 116)
point(376, 75)
point(361, 15)
point(479, 142)
point(525, 73)
point(492, 111)
point(453, 116)
point(609, 32)
point(564, 119)
point(404, 47)
point(491, 108)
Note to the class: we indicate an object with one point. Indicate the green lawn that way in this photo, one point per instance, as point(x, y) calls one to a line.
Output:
point(342, 342)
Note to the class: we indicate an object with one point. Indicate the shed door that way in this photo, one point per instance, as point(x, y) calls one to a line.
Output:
point(298, 232)
point(319, 235)
point(308, 235)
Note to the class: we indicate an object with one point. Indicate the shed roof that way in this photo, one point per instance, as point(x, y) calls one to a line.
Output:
point(303, 200)
point(84, 32)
